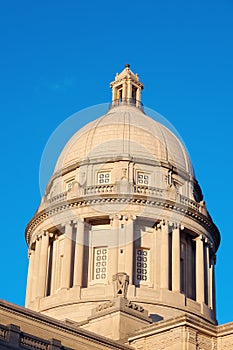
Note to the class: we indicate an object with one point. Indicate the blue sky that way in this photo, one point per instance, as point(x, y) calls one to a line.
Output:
point(58, 57)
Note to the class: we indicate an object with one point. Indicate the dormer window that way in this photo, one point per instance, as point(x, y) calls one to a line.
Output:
point(143, 179)
point(104, 177)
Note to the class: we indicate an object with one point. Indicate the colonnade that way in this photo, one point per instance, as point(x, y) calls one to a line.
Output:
point(204, 264)
point(44, 255)
point(51, 268)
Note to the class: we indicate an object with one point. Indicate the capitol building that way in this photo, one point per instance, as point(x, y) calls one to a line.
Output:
point(122, 248)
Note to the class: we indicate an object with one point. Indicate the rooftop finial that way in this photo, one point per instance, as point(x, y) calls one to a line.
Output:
point(127, 65)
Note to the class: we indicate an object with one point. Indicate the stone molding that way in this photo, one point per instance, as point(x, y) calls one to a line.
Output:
point(207, 223)
point(21, 315)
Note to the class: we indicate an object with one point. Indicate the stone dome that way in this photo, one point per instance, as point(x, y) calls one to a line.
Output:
point(125, 131)
point(122, 217)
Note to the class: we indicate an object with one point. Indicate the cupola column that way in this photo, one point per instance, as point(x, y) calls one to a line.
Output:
point(124, 91)
point(66, 265)
point(200, 297)
point(138, 97)
point(78, 257)
point(43, 264)
point(31, 256)
point(114, 94)
point(129, 90)
point(164, 256)
point(176, 258)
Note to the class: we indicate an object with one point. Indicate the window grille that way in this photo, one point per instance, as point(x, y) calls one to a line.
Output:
point(100, 263)
point(104, 178)
point(142, 264)
point(143, 179)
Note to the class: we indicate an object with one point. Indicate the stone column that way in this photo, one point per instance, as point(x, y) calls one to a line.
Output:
point(212, 283)
point(129, 90)
point(207, 274)
point(42, 278)
point(155, 258)
point(35, 278)
point(124, 91)
point(54, 265)
point(31, 256)
point(200, 296)
point(113, 248)
point(66, 265)
point(78, 255)
point(114, 94)
point(176, 259)
point(138, 96)
point(129, 235)
point(164, 261)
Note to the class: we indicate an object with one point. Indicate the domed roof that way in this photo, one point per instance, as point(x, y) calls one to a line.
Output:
point(125, 131)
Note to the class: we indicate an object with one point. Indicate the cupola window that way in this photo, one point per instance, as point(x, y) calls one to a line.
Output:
point(104, 177)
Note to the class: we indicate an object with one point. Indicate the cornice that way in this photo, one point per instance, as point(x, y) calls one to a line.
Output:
point(134, 199)
point(59, 325)
point(180, 321)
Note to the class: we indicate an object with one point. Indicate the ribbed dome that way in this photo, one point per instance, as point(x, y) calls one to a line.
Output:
point(125, 131)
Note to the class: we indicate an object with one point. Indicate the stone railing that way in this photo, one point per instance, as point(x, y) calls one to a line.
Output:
point(33, 343)
point(127, 102)
point(11, 337)
point(149, 191)
point(3, 332)
point(58, 198)
point(136, 190)
point(98, 189)
point(189, 203)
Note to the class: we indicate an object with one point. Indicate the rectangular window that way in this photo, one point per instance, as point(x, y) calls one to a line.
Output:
point(143, 179)
point(100, 263)
point(104, 178)
point(142, 264)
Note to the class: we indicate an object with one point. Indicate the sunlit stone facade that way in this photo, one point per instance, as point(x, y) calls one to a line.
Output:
point(122, 244)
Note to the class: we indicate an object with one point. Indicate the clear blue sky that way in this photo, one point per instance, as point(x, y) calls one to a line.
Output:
point(58, 57)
